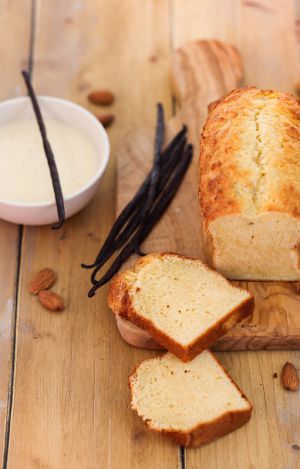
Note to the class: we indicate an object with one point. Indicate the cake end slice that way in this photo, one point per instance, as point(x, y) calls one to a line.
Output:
point(193, 403)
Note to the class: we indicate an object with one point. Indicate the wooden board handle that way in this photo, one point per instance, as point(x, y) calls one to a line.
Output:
point(202, 72)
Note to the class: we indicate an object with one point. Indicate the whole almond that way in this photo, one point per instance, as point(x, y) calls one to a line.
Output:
point(43, 280)
point(51, 301)
point(297, 88)
point(106, 119)
point(101, 97)
point(289, 377)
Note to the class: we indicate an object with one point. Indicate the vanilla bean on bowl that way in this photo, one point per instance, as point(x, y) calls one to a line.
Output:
point(151, 200)
point(48, 152)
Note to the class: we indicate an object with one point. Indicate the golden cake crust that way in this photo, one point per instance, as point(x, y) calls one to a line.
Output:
point(250, 155)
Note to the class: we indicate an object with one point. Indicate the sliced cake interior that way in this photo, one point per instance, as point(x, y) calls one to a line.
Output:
point(180, 301)
point(193, 402)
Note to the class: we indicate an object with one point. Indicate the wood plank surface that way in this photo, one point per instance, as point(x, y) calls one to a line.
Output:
point(202, 71)
point(273, 429)
point(15, 29)
point(264, 32)
point(71, 402)
point(268, 440)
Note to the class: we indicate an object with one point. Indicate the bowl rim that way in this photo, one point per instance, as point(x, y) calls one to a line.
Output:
point(103, 161)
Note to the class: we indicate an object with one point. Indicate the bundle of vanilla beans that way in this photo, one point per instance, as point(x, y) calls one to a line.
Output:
point(148, 204)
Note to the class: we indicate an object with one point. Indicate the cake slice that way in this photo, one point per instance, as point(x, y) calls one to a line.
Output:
point(183, 304)
point(193, 403)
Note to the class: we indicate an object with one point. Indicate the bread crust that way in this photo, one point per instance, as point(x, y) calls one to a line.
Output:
point(120, 302)
point(205, 432)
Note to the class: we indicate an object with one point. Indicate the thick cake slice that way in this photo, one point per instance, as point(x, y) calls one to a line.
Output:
point(194, 403)
point(184, 305)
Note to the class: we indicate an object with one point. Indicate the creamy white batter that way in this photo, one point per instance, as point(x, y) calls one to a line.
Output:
point(24, 172)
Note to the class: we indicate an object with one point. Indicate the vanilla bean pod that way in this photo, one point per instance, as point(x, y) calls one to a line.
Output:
point(178, 137)
point(170, 190)
point(138, 197)
point(118, 243)
point(155, 214)
point(159, 140)
point(137, 219)
point(48, 152)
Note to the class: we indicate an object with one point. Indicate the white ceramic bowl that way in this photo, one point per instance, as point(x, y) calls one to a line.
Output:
point(27, 213)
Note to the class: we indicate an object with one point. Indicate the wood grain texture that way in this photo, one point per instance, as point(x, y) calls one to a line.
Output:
point(71, 400)
point(15, 29)
point(196, 71)
point(264, 31)
point(275, 323)
point(202, 71)
point(71, 404)
point(269, 440)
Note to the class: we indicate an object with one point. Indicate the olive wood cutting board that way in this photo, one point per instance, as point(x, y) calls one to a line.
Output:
point(201, 72)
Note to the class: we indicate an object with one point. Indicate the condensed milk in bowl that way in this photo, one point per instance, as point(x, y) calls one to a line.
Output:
point(81, 150)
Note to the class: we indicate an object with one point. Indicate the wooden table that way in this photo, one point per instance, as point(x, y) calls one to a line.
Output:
point(64, 401)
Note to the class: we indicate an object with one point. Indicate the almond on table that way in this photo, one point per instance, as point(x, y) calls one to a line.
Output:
point(101, 97)
point(106, 119)
point(43, 280)
point(51, 300)
point(289, 377)
point(297, 88)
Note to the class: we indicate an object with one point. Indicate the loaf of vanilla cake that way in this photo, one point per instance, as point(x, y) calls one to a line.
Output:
point(250, 185)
